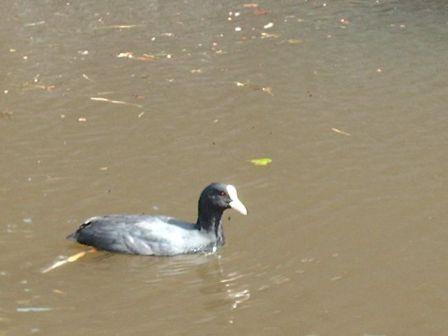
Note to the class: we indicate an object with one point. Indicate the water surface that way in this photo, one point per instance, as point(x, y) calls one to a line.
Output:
point(346, 228)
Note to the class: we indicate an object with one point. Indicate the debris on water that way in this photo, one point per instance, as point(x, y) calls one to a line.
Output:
point(307, 260)
point(28, 86)
point(83, 52)
point(82, 119)
point(58, 291)
point(27, 220)
point(140, 114)
point(268, 90)
point(269, 25)
point(33, 24)
point(250, 5)
point(336, 278)
point(126, 54)
point(33, 309)
point(255, 87)
point(196, 71)
point(104, 168)
point(260, 11)
point(66, 260)
point(86, 77)
point(261, 161)
point(144, 57)
point(118, 27)
point(119, 102)
point(340, 131)
point(6, 114)
point(294, 41)
point(238, 29)
point(267, 35)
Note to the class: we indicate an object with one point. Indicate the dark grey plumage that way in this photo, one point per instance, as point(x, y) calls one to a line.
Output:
point(162, 235)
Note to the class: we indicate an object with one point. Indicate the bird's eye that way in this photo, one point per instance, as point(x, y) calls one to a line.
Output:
point(222, 193)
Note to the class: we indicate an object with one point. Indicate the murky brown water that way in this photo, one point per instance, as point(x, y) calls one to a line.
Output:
point(347, 230)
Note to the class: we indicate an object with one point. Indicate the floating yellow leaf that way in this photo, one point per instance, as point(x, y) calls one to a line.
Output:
point(261, 161)
point(66, 260)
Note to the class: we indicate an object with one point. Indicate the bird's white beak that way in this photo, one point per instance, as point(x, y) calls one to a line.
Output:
point(235, 203)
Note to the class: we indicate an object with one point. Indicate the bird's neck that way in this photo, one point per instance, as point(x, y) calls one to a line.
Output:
point(210, 221)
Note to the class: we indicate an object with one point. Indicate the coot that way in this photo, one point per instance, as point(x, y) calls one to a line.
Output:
point(162, 235)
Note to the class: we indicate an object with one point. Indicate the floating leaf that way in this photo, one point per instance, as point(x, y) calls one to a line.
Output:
point(261, 161)
point(66, 260)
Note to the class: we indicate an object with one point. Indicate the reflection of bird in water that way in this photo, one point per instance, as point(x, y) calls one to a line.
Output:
point(220, 287)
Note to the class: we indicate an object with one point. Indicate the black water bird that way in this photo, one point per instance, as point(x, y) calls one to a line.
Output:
point(162, 235)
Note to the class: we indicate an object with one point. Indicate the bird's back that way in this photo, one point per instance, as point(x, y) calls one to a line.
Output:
point(141, 234)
